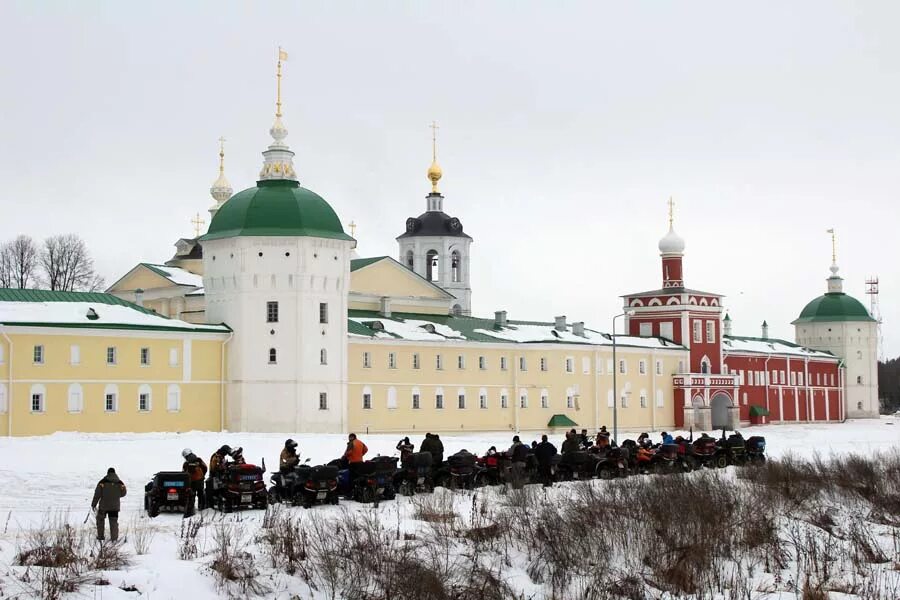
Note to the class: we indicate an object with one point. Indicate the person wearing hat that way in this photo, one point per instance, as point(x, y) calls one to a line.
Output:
point(196, 469)
point(288, 459)
point(107, 502)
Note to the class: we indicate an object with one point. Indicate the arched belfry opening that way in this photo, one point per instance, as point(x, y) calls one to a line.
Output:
point(455, 266)
point(410, 262)
point(432, 266)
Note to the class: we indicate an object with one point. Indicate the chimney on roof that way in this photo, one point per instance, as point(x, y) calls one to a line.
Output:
point(500, 318)
point(139, 297)
point(385, 306)
point(578, 328)
point(765, 330)
point(560, 323)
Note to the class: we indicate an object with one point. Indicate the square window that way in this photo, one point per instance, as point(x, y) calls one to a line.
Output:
point(271, 312)
point(323, 312)
point(144, 402)
point(667, 330)
point(38, 355)
point(145, 357)
point(646, 329)
point(323, 401)
point(111, 355)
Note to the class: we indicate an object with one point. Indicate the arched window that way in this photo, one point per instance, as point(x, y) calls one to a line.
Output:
point(432, 266)
point(461, 398)
point(409, 260)
point(504, 398)
point(643, 398)
point(705, 366)
point(523, 398)
point(457, 310)
point(323, 356)
point(145, 398)
point(416, 399)
point(75, 398)
point(439, 398)
point(456, 266)
point(482, 398)
point(392, 397)
point(570, 398)
point(273, 356)
point(545, 399)
point(367, 398)
point(173, 398)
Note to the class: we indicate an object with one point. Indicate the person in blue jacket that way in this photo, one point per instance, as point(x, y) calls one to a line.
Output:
point(667, 438)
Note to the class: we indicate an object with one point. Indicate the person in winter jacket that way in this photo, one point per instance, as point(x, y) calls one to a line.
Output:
point(237, 457)
point(518, 454)
point(667, 438)
point(433, 445)
point(217, 460)
point(584, 440)
point(288, 458)
point(602, 441)
point(544, 453)
point(107, 502)
point(406, 449)
point(196, 469)
point(571, 443)
point(355, 449)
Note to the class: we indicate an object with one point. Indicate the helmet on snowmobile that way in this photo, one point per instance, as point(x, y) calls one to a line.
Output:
point(186, 452)
point(237, 453)
point(290, 444)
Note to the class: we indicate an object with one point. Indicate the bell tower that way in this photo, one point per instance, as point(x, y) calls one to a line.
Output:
point(434, 244)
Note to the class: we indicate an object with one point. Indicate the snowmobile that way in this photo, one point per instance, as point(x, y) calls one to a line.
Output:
point(169, 491)
point(239, 486)
point(415, 474)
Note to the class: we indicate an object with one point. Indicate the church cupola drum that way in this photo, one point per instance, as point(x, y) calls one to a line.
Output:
point(671, 249)
point(434, 244)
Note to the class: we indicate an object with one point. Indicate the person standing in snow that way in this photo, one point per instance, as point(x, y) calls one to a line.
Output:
point(667, 438)
point(406, 449)
point(544, 452)
point(196, 469)
point(107, 502)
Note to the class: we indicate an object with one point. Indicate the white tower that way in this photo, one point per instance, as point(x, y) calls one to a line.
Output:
point(435, 246)
point(276, 270)
point(840, 324)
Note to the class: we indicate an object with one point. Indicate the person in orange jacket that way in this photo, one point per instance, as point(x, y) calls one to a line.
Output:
point(355, 449)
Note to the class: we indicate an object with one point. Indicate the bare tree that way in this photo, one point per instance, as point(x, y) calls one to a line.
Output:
point(67, 265)
point(18, 263)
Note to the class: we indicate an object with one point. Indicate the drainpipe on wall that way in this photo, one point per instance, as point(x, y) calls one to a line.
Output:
point(809, 402)
point(515, 394)
point(653, 390)
point(10, 397)
point(222, 384)
point(597, 389)
point(768, 381)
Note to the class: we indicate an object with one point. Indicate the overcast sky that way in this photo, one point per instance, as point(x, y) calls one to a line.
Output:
point(564, 128)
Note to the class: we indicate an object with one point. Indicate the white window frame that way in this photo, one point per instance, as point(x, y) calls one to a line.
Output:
point(586, 365)
point(273, 356)
point(570, 364)
point(38, 393)
point(667, 330)
point(660, 399)
point(145, 356)
point(570, 399)
point(659, 368)
point(523, 398)
point(710, 332)
point(544, 363)
point(624, 399)
point(38, 357)
point(2, 353)
point(416, 363)
point(610, 399)
point(391, 398)
point(113, 354)
point(461, 361)
point(698, 332)
point(323, 356)
point(523, 364)
point(642, 367)
point(439, 399)
point(323, 313)
point(504, 399)
point(4, 399)
point(482, 363)
point(482, 399)
point(145, 390)
point(623, 366)
point(504, 364)
point(392, 360)
point(645, 329)
point(416, 399)
point(111, 399)
point(173, 398)
point(439, 362)
point(367, 398)
point(461, 399)
point(74, 355)
point(609, 366)
point(643, 399)
point(545, 399)
point(323, 400)
point(367, 360)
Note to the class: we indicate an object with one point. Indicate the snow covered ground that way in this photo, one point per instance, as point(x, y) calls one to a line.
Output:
point(57, 473)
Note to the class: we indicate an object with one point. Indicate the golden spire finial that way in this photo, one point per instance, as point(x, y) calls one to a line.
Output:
point(198, 222)
point(352, 226)
point(833, 246)
point(434, 171)
point(282, 55)
point(221, 155)
point(671, 213)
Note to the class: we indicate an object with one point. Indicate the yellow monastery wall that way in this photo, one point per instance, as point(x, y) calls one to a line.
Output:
point(387, 278)
point(589, 387)
point(142, 278)
point(198, 381)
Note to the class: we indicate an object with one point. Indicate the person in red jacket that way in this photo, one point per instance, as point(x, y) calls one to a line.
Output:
point(355, 449)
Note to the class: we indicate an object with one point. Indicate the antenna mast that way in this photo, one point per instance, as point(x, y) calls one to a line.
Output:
point(875, 311)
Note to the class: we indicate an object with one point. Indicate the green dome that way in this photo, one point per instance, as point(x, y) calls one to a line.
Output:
point(834, 307)
point(276, 207)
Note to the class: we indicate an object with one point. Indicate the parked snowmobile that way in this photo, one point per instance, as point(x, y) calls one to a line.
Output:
point(169, 491)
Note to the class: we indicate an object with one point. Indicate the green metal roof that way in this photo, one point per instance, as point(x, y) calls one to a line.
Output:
point(14, 295)
point(359, 263)
point(832, 307)
point(277, 207)
point(561, 421)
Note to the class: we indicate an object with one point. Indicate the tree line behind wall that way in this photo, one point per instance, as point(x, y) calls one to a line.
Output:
point(889, 385)
point(60, 262)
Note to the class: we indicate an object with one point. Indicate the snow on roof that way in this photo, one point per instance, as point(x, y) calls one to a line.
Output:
point(93, 315)
point(536, 333)
point(770, 346)
point(411, 329)
point(177, 275)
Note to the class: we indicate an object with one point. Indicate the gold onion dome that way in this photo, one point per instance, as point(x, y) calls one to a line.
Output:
point(434, 175)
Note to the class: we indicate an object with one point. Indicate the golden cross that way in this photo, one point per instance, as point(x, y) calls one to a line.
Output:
point(671, 212)
point(434, 128)
point(352, 226)
point(833, 246)
point(198, 222)
point(282, 55)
